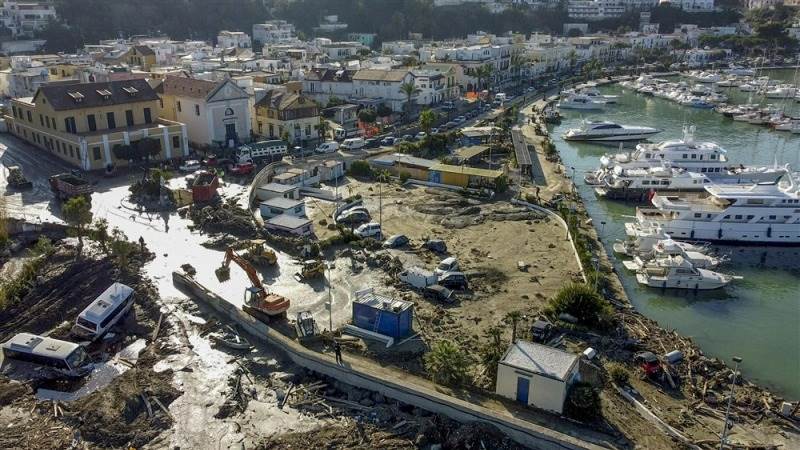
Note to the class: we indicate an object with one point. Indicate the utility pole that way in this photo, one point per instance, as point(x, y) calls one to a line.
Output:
point(330, 300)
point(380, 202)
point(724, 437)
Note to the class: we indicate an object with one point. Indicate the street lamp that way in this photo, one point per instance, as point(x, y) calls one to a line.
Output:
point(724, 437)
point(330, 298)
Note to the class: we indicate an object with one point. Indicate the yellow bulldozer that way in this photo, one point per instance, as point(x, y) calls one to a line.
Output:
point(258, 254)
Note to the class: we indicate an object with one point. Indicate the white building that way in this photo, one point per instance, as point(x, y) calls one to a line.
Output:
point(276, 206)
point(595, 9)
point(23, 78)
point(235, 39)
point(274, 32)
point(692, 5)
point(537, 375)
point(214, 112)
point(342, 50)
point(472, 57)
point(23, 18)
point(382, 86)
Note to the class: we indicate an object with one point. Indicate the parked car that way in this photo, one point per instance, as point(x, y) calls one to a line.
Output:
point(420, 136)
point(450, 125)
point(435, 245)
point(447, 265)
point(439, 293)
point(394, 241)
point(388, 141)
point(372, 229)
point(417, 277)
point(191, 165)
point(353, 143)
point(372, 143)
point(407, 138)
point(435, 131)
point(245, 168)
point(460, 119)
point(352, 216)
point(448, 106)
point(327, 147)
point(453, 280)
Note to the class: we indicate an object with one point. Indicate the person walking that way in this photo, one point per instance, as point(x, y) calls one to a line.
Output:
point(337, 348)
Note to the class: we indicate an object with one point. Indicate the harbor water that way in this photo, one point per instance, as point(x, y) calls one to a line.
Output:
point(756, 318)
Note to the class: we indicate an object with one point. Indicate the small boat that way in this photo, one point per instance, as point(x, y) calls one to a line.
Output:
point(668, 248)
point(231, 339)
point(578, 101)
point(678, 273)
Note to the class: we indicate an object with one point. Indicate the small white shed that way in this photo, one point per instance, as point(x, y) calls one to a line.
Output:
point(537, 375)
point(278, 205)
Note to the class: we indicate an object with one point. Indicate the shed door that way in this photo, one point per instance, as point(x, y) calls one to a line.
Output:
point(523, 386)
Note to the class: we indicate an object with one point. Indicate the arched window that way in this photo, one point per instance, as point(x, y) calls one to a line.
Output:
point(229, 111)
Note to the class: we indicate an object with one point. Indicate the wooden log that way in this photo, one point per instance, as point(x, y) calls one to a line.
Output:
point(669, 376)
point(286, 397)
point(163, 408)
point(348, 403)
point(157, 328)
point(147, 405)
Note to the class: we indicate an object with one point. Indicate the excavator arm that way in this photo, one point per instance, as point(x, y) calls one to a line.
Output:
point(248, 268)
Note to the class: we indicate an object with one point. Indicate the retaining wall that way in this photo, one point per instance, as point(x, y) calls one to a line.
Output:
point(525, 433)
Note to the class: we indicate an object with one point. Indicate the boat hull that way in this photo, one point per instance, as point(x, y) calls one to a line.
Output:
point(613, 138)
point(735, 233)
point(666, 283)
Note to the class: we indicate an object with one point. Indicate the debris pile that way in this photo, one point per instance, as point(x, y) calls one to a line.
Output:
point(227, 217)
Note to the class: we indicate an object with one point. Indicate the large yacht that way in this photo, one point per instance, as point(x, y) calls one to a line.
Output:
point(766, 213)
point(609, 132)
point(635, 183)
point(669, 248)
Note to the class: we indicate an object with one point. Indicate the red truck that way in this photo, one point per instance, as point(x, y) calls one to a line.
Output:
point(68, 185)
point(204, 187)
point(245, 168)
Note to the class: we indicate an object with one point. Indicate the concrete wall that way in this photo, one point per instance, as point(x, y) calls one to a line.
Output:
point(525, 433)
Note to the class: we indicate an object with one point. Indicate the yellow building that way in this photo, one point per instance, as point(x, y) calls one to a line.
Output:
point(139, 55)
point(464, 176)
point(287, 114)
point(81, 123)
point(64, 71)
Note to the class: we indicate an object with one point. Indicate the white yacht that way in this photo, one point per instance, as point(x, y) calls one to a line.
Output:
point(668, 248)
point(675, 272)
point(593, 93)
point(644, 239)
point(579, 101)
point(766, 213)
point(609, 131)
point(640, 183)
point(782, 91)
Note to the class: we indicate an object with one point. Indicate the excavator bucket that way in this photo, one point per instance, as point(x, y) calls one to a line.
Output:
point(223, 273)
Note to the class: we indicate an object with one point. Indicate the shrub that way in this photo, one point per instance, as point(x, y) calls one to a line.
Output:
point(582, 302)
point(404, 176)
point(360, 169)
point(583, 402)
point(618, 373)
point(447, 364)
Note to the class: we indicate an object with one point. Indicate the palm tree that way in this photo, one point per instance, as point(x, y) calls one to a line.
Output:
point(483, 72)
point(410, 90)
point(513, 317)
point(426, 121)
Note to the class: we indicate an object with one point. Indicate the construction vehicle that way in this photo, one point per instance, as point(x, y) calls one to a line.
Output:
point(306, 326)
point(69, 185)
point(259, 303)
point(312, 268)
point(16, 179)
point(259, 254)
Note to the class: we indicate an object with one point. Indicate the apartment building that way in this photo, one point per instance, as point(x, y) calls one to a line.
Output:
point(473, 57)
point(24, 18)
point(235, 39)
point(213, 112)
point(81, 123)
point(139, 56)
point(274, 32)
point(286, 113)
point(23, 77)
point(372, 87)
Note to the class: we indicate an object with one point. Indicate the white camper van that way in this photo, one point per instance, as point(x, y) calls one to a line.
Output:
point(60, 357)
point(261, 150)
point(353, 143)
point(104, 312)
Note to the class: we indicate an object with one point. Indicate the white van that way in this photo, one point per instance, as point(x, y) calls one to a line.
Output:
point(353, 143)
point(327, 147)
point(418, 278)
point(341, 133)
point(61, 357)
point(372, 229)
point(104, 312)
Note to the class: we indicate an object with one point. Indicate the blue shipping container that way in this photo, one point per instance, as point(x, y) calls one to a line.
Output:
point(383, 315)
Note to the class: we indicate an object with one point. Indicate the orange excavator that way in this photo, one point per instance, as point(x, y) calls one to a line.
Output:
point(259, 304)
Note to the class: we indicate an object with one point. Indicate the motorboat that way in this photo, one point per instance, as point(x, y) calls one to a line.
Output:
point(579, 101)
point(675, 272)
point(642, 240)
point(594, 93)
point(669, 248)
point(782, 91)
point(609, 131)
point(747, 87)
point(697, 102)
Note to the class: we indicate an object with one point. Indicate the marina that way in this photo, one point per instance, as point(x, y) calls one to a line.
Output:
point(754, 316)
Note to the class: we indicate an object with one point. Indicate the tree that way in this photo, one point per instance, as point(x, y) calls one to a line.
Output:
point(147, 148)
point(513, 317)
point(384, 111)
point(78, 214)
point(483, 73)
point(582, 302)
point(100, 233)
point(426, 120)
point(367, 115)
point(121, 249)
point(322, 128)
point(447, 364)
point(409, 89)
point(492, 352)
point(5, 238)
point(124, 152)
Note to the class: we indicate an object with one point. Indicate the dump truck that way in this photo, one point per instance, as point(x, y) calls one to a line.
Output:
point(69, 185)
point(204, 187)
point(16, 179)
